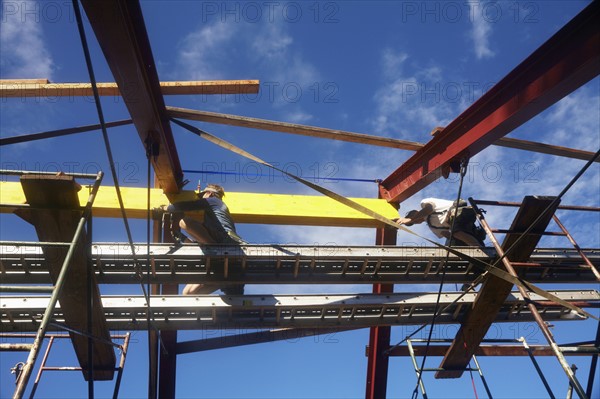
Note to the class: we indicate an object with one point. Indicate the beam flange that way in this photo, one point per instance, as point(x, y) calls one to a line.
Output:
point(565, 62)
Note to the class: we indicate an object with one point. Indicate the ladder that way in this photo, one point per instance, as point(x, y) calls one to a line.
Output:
point(17, 370)
point(419, 371)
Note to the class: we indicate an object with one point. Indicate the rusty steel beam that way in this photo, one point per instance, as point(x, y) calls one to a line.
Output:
point(565, 62)
point(121, 32)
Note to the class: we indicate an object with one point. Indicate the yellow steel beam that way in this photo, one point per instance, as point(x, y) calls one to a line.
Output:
point(43, 88)
point(245, 207)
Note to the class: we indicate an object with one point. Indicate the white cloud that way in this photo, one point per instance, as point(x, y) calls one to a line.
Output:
point(298, 116)
point(576, 116)
point(480, 31)
point(23, 53)
point(271, 43)
point(409, 99)
point(215, 50)
point(201, 51)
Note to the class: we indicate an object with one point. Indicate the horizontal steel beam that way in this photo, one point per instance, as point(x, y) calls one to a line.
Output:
point(266, 264)
point(306, 210)
point(307, 311)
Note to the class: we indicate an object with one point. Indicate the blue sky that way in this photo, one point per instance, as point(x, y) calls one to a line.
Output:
point(394, 69)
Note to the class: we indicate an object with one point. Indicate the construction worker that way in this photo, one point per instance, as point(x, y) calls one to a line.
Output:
point(216, 228)
point(439, 215)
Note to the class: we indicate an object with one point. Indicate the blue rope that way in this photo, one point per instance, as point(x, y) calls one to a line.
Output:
point(212, 172)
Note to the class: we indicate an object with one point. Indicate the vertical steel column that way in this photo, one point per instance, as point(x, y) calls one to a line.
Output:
point(534, 312)
point(153, 337)
point(90, 309)
point(41, 332)
point(167, 370)
point(379, 337)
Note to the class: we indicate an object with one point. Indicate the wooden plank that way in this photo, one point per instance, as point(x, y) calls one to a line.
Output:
point(245, 207)
point(60, 225)
point(42, 88)
point(121, 32)
point(293, 128)
point(494, 290)
point(23, 81)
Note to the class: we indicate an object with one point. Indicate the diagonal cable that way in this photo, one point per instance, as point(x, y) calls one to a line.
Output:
point(463, 171)
point(25, 138)
point(360, 208)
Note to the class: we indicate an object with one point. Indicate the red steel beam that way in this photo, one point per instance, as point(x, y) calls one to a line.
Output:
point(379, 337)
point(121, 32)
point(565, 62)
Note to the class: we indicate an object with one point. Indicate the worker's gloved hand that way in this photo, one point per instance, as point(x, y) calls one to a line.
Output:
point(158, 212)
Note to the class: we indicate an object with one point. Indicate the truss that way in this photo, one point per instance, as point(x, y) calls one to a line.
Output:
point(25, 263)
point(307, 311)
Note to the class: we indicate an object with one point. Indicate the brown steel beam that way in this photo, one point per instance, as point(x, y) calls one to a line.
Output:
point(565, 62)
point(360, 138)
point(259, 337)
point(121, 32)
point(543, 148)
point(292, 128)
